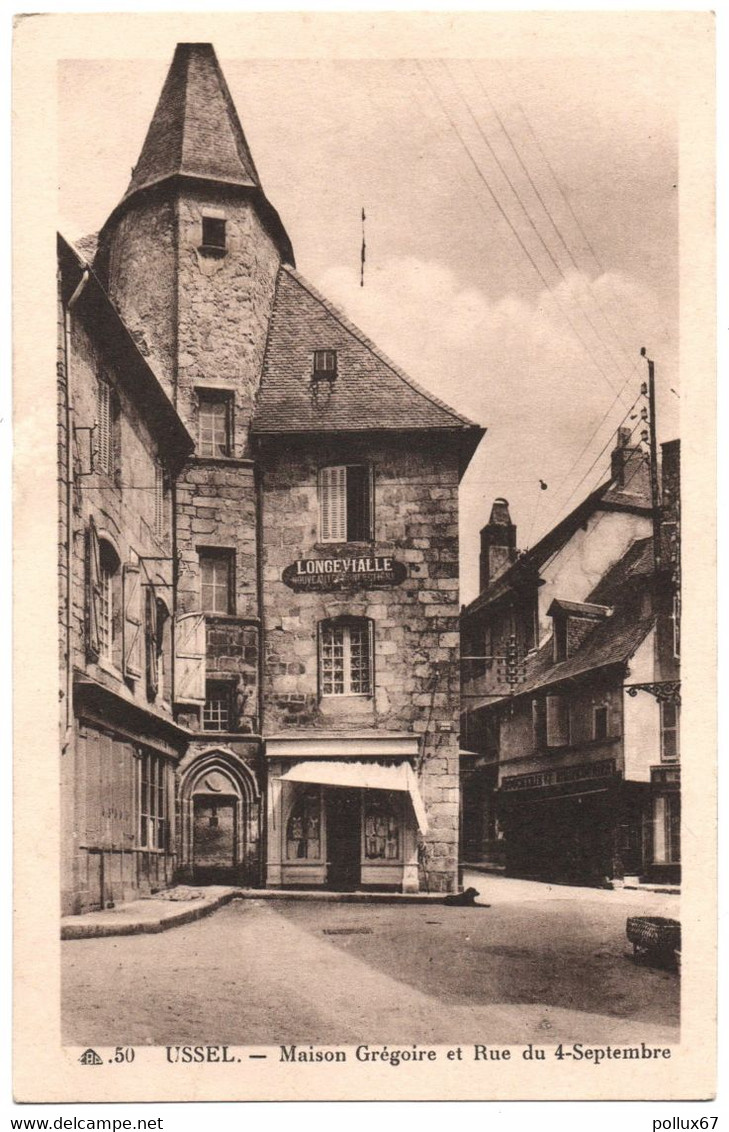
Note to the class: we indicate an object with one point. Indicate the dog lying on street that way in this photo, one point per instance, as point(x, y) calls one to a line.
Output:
point(465, 899)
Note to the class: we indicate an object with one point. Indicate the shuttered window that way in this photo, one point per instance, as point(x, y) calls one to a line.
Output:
point(104, 437)
point(93, 592)
point(159, 500)
point(345, 503)
point(190, 634)
point(132, 627)
point(104, 601)
point(106, 613)
point(558, 721)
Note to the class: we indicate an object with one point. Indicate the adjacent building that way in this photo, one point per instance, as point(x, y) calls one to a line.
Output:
point(120, 447)
point(571, 692)
point(310, 541)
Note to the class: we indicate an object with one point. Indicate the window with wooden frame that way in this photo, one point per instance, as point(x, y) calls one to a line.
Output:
point(153, 800)
point(539, 723)
point(106, 438)
point(600, 722)
point(558, 721)
point(214, 421)
point(157, 642)
point(560, 639)
point(346, 503)
point(104, 601)
point(669, 732)
point(217, 580)
point(325, 365)
point(160, 500)
point(382, 826)
point(218, 708)
point(667, 828)
point(303, 830)
point(345, 657)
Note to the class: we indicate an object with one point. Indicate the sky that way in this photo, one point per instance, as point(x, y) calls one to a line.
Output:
point(521, 228)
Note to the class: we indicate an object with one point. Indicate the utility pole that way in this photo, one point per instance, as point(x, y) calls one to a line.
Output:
point(655, 498)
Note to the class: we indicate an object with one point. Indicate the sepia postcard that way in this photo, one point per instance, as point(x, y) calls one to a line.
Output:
point(364, 556)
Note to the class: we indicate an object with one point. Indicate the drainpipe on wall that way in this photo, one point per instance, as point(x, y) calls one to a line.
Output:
point(263, 802)
point(69, 498)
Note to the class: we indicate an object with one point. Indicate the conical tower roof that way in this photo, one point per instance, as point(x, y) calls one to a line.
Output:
point(195, 130)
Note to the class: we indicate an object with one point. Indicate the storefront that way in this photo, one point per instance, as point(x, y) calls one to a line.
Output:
point(118, 800)
point(343, 813)
point(579, 824)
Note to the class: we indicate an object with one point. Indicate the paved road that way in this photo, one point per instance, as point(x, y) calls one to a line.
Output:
point(541, 963)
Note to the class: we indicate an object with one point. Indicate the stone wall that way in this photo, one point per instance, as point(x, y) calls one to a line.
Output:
point(122, 503)
point(224, 304)
point(415, 624)
point(136, 261)
point(100, 861)
point(216, 507)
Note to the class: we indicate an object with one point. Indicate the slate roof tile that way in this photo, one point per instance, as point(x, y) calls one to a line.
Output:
point(195, 129)
point(612, 641)
point(370, 392)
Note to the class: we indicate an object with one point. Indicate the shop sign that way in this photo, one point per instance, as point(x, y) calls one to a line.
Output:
point(354, 572)
point(584, 772)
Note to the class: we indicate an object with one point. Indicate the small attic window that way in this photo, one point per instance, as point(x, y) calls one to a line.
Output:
point(325, 365)
point(213, 233)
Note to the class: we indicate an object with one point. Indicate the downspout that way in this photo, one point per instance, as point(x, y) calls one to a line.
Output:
point(263, 832)
point(69, 499)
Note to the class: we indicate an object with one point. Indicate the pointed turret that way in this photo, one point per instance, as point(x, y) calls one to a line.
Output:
point(191, 253)
point(195, 131)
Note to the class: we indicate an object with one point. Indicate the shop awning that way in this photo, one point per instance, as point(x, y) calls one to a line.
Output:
point(365, 776)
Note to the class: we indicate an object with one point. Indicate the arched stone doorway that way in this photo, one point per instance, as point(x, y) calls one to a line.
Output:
point(220, 821)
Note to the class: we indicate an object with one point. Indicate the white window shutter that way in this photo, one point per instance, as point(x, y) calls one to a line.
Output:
point(93, 592)
point(557, 721)
point(190, 659)
point(103, 439)
point(333, 504)
point(132, 630)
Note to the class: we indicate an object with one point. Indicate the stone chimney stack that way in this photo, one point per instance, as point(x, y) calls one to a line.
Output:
point(498, 544)
point(629, 466)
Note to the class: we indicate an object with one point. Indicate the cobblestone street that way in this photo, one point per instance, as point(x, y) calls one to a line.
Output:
point(542, 963)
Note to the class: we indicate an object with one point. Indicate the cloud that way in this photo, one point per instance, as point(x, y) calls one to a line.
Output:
point(516, 366)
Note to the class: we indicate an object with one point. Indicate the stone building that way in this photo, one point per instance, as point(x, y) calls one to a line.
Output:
point(570, 704)
point(120, 446)
point(315, 532)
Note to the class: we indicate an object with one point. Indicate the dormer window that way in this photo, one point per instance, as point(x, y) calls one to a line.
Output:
point(573, 622)
point(325, 365)
point(214, 236)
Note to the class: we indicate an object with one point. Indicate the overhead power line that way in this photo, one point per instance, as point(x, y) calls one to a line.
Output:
point(544, 205)
point(515, 232)
point(530, 220)
point(587, 444)
point(616, 302)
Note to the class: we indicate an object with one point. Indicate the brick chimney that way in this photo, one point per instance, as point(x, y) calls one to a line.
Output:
point(629, 467)
point(498, 543)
